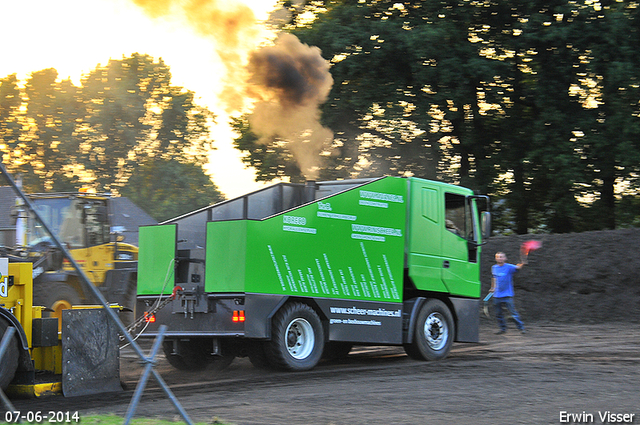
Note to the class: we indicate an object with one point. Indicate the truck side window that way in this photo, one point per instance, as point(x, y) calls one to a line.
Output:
point(457, 218)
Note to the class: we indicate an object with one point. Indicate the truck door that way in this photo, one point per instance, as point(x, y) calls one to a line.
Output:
point(460, 267)
point(424, 256)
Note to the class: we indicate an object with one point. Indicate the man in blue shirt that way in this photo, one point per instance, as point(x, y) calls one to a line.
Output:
point(502, 288)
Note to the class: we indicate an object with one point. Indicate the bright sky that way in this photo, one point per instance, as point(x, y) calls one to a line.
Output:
point(74, 36)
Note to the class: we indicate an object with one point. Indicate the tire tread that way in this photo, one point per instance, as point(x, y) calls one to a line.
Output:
point(276, 351)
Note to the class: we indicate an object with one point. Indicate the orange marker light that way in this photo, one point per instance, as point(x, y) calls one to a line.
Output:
point(149, 318)
point(238, 316)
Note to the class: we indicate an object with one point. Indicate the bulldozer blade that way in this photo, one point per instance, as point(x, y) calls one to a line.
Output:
point(90, 353)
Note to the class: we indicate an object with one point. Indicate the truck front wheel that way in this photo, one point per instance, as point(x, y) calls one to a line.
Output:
point(297, 338)
point(433, 333)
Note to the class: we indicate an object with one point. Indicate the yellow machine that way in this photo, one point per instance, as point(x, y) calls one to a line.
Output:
point(83, 222)
point(42, 360)
point(37, 344)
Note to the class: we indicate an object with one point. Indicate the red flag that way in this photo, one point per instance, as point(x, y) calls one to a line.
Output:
point(530, 246)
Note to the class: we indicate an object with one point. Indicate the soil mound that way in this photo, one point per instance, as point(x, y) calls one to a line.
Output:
point(577, 277)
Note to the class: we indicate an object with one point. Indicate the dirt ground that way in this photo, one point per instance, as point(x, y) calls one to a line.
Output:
point(578, 297)
point(589, 277)
point(554, 369)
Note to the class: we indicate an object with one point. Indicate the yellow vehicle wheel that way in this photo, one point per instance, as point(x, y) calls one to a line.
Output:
point(57, 308)
point(56, 296)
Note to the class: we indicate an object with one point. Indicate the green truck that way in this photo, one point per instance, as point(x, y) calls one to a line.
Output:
point(294, 272)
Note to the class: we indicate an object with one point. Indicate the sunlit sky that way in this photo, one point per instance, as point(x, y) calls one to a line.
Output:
point(74, 36)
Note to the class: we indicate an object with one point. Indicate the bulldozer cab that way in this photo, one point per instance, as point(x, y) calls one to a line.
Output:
point(79, 222)
point(82, 222)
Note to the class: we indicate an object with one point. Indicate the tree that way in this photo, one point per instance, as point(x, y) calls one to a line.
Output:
point(117, 96)
point(376, 107)
point(43, 136)
point(497, 96)
point(536, 41)
point(10, 125)
point(181, 130)
point(167, 188)
point(271, 160)
point(125, 119)
point(134, 114)
point(409, 91)
point(612, 135)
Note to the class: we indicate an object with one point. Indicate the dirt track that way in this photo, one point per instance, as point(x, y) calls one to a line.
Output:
point(505, 379)
point(578, 297)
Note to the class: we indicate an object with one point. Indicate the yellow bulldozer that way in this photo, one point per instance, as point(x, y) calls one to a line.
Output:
point(84, 223)
point(38, 358)
point(69, 263)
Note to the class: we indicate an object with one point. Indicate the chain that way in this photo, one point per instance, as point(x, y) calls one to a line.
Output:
point(144, 318)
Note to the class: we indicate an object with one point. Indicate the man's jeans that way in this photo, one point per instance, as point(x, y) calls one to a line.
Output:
point(508, 303)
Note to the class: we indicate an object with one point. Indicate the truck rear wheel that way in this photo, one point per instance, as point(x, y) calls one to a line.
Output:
point(434, 332)
point(187, 355)
point(257, 355)
point(9, 361)
point(194, 354)
point(297, 339)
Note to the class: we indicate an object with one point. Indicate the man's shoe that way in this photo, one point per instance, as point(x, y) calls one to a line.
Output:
point(522, 331)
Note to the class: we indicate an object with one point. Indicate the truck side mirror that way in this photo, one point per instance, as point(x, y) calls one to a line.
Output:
point(485, 223)
point(485, 219)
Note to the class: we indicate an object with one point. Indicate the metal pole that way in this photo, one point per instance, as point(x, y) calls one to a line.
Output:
point(150, 362)
point(171, 396)
point(85, 280)
point(4, 344)
point(137, 394)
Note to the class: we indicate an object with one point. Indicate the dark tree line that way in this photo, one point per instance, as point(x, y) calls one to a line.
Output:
point(535, 102)
point(126, 129)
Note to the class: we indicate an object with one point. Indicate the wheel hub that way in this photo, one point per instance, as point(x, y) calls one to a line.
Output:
point(436, 331)
point(57, 308)
point(300, 338)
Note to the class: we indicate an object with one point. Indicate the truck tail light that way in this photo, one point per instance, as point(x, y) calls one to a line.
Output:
point(149, 317)
point(238, 316)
